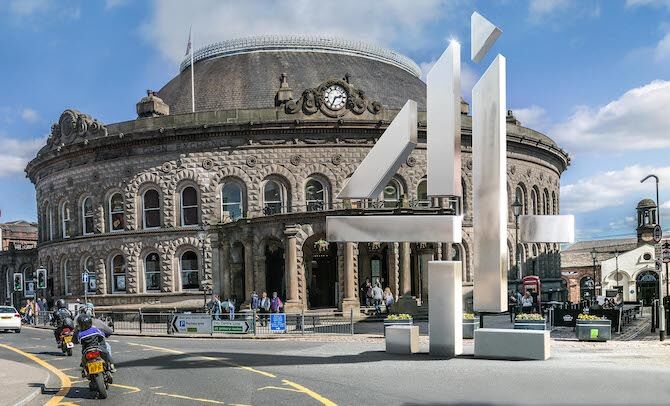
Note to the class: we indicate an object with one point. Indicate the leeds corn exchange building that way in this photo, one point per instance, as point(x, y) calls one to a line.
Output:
point(233, 198)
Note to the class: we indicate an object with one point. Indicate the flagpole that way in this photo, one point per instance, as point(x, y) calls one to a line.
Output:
point(192, 81)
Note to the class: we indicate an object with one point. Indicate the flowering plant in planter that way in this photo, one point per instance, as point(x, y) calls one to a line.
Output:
point(468, 316)
point(584, 316)
point(402, 316)
point(529, 316)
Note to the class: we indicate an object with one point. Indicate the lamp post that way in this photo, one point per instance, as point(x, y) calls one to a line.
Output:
point(594, 254)
point(201, 237)
point(516, 209)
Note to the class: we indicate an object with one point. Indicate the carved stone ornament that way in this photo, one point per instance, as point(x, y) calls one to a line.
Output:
point(207, 164)
point(529, 172)
point(166, 167)
point(512, 169)
point(411, 161)
point(312, 101)
point(296, 160)
point(251, 161)
point(337, 159)
point(74, 126)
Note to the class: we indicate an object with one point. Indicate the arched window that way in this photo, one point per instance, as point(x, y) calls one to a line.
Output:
point(87, 216)
point(546, 203)
point(190, 275)
point(48, 222)
point(66, 278)
point(152, 272)
point(118, 274)
point(231, 200)
point(422, 194)
point(116, 216)
point(464, 192)
point(456, 252)
point(189, 206)
point(391, 194)
point(533, 202)
point(315, 195)
point(520, 195)
point(89, 267)
point(65, 219)
point(151, 209)
point(273, 197)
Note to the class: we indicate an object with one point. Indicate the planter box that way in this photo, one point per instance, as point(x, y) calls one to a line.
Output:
point(388, 323)
point(594, 330)
point(530, 324)
point(491, 343)
point(469, 327)
point(402, 339)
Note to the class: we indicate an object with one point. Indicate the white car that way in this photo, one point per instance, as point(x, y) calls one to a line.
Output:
point(10, 319)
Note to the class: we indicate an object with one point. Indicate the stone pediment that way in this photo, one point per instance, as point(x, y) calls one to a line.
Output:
point(74, 126)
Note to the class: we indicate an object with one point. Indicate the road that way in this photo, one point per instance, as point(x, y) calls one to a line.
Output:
point(347, 371)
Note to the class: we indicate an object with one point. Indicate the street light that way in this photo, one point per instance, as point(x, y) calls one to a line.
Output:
point(594, 254)
point(516, 209)
point(202, 234)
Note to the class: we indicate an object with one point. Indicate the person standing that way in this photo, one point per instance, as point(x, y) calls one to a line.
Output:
point(388, 299)
point(527, 303)
point(265, 308)
point(214, 306)
point(276, 304)
point(231, 308)
point(255, 301)
point(377, 296)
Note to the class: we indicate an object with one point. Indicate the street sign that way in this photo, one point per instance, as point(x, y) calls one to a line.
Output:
point(658, 234)
point(192, 323)
point(41, 278)
point(278, 322)
point(30, 288)
point(231, 326)
point(84, 278)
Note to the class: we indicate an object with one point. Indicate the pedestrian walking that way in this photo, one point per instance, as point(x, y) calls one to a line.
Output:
point(367, 291)
point(215, 307)
point(231, 308)
point(377, 296)
point(276, 305)
point(388, 299)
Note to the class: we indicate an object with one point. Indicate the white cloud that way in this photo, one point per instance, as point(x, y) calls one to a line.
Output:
point(662, 49)
point(638, 120)
point(611, 188)
point(540, 9)
point(532, 117)
point(397, 22)
point(15, 153)
point(29, 115)
point(653, 3)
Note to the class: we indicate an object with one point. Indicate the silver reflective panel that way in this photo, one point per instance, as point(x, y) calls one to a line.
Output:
point(549, 229)
point(421, 228)
point(443, 96)
point(445, 310)
point(483, 34)
point(489, 173)
point(385, 158)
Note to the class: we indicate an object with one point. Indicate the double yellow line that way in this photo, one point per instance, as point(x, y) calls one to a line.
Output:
point(65, 382)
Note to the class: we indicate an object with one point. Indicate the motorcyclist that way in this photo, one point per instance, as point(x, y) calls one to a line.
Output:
point(89, 335)
point(61, 318)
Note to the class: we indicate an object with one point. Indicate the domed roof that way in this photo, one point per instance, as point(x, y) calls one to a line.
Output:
point(245, 73)
point(646, 203)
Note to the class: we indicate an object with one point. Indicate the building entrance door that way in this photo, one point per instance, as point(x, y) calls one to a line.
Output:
point(647, 287)
point(275, 280)
point(322, 275)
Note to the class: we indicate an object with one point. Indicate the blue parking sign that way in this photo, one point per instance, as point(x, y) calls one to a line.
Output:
point(278, 322)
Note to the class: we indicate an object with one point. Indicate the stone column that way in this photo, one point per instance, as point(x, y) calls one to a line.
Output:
point(349, 301)
point(224, 270)
point(260, 272)
point(405, 270)
point(291, 270)
point(248, 270)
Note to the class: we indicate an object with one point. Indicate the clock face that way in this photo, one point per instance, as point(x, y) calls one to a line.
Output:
point(335, 97)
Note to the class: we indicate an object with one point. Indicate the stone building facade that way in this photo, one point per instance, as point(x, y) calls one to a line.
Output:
point(173, 205)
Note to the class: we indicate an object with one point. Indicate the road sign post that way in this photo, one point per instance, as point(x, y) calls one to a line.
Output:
point(278, 322)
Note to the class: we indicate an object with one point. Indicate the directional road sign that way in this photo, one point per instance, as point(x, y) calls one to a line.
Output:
point(278, 322)
point(192, 323)
point(231, 326)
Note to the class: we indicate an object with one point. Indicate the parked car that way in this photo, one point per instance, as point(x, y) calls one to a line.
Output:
point(10, 319)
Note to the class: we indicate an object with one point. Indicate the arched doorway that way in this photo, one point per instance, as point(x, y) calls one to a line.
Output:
point(586, 288)
point(275, 280)
point(373, 265)
point(647, 287)
point(237, 287)
point(321, 273)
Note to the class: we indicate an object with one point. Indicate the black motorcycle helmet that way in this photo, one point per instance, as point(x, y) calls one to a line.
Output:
point(60, 304)
point(84, 321)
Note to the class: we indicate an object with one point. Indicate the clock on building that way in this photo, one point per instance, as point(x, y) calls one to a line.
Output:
point(335, 97)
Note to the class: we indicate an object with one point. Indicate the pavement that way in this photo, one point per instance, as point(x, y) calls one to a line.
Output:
point(21, 381)
point(343, 370)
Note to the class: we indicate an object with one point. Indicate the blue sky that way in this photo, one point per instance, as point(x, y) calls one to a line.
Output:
point(591, 74)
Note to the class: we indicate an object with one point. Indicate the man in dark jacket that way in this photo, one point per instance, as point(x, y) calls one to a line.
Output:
point(62, 318)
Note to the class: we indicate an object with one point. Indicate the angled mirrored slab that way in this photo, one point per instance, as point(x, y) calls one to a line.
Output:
point(411, 228)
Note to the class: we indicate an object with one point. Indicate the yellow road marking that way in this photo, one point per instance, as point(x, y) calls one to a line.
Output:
point(216, 402)
point(310, 393)
point(132, 389)
point(278, 388)
point(299, 388)
point(65, 383)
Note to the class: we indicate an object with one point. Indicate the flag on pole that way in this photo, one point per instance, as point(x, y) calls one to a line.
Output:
point(188, 46)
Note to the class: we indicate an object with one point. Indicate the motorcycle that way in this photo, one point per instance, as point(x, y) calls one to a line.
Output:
point(66, 344)
point(96, 370)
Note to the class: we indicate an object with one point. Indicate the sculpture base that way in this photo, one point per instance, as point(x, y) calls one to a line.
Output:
point(402, 339)
point(492, 343)
point(406, 304)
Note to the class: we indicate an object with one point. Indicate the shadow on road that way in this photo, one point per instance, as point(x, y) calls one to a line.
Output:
point(193, 360)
